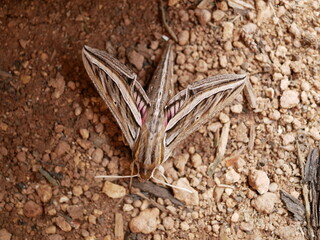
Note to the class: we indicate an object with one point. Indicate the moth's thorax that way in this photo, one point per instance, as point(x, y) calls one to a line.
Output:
point(149, 151)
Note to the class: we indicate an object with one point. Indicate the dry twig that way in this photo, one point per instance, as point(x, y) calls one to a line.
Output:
point(305, 190)
point(48, 177)
point(118, 227)
point(249, 94)
point(164, 21)
point(222, 145)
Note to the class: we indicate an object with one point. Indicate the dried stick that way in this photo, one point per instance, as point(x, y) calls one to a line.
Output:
point(48, 177)
point(222, 145)
point(305, 192)
point(166, 26)
point(118, 227)
point(249, 94)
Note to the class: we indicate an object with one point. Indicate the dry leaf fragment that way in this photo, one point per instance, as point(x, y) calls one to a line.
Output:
point(293, 205)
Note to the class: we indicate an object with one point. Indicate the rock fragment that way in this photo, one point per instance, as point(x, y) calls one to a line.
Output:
point(184, 196)
point(259, 181)
point(4, 234)
point(63, 224)
point(289, 99)
point(136, 59)
point(45, 192)
point(183, 37)
point(146, 222)
point(265, 203)
point(32, 209)
point(113, 190)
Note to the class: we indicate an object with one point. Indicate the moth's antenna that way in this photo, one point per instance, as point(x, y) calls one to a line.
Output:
point(168, 184)
point(116, 177)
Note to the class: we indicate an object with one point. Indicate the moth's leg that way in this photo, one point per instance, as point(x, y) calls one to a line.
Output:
point(132, 165)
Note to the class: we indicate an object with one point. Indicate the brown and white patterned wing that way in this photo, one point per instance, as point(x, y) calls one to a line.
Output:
point(119, 88)
point(197, 104)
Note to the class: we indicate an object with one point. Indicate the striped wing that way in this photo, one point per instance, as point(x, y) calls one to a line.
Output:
point(197, 104)
point(119, 88)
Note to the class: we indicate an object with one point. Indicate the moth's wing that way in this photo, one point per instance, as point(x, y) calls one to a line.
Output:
point(119, 88)
point(197, 104)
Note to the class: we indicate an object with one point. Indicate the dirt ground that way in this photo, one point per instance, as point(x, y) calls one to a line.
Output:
point(56, 134)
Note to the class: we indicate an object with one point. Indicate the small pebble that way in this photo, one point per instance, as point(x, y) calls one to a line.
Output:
point(62, 148)
point(84, 133)
point(144, 205)
point(223, 61)
point(214, 127)
point(217, 15)
point(32, 209)
point(55, 237)
point(168, 223)
point(92, 219)
point(204, 16)
point(51, 229)
point(180, 162)
point(223, 118)
point(25, 79)
point(4, 234)
point(288, 138)
point(44, 57)
point(71, 85)
point(127, 207)
point(184, 196)
point(154, 45)
point(289, 99)
point(235, 217)
point(273, 187)
point(136, 59)
point(63, 224)
point(196, 160)
point(113, 190)
point(77, 111)
point(315, 133)
point(183, 37)
point(77, 191)
point(247, 226)
point(181, 59)
point(21, 157)
point(137, 203)
point(295, 30)
point(275, 115)
point(237, 108)
point(231, 177)
point(259, 181)
point(202, 66)
point(227, 31)
point(146, 222)
point(97, 155)
point(45, 192)
point(265, 203)
point(184, 226)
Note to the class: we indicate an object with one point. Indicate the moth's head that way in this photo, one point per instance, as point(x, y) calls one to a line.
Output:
point(144, 172)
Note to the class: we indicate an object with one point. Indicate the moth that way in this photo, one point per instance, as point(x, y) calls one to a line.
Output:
point(155, 121)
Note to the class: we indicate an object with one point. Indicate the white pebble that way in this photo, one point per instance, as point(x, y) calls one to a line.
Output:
point(289, 99)
point(237, 108)
point(265, 203)
point(183, 37)
point(217, 15)
point(204, 16)
point(259, 181)
point(227, 31)
point(196, 160)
